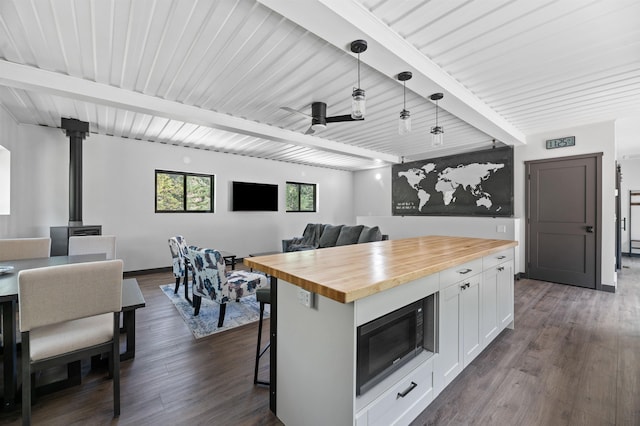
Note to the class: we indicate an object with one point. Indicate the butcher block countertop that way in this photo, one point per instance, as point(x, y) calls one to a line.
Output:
point(352, 272)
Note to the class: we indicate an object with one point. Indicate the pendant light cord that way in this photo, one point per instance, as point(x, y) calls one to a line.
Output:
point(358, 70)
point(404, 95)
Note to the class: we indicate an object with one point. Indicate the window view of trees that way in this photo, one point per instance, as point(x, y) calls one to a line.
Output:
point(199, 193)
point(301, 197)
point(183, 192)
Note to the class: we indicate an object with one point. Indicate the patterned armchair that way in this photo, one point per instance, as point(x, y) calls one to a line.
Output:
point(179, 251)
point(211, 280)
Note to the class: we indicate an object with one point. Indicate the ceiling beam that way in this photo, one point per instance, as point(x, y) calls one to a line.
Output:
point(42, 81)
point(339, 22)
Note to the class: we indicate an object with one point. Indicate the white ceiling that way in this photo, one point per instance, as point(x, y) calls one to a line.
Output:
point(216, 74)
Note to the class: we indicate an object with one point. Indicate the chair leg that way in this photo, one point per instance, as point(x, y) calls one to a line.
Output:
point(260, 352)
point(26, 380)
point(223, 310)
point(197, 300)
point(186, 287)
point(175, 291)
point(255, 372)
point(115, 365)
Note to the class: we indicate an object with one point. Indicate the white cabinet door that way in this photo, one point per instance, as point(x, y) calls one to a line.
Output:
point(505, 294)
point(470, 318)
point(449, 362)
point(489, 322)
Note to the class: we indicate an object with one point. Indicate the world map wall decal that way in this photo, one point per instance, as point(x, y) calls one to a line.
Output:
point(472, 184)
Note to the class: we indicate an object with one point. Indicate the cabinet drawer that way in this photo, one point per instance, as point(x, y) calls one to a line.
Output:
point(460, 272)
point(496, 258)
point(391, 405)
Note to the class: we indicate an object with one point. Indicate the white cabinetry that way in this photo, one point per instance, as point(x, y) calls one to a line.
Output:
point(317, 347)
point(459, 321)
point(476, 304)
point(497, 284)
point(489, 323)
point(449, 362)
point(470, 314)
point(505, 294)
point(403, 401)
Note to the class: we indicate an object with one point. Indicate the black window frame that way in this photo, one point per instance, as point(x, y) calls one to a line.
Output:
point(185, 175)
point(299, 184)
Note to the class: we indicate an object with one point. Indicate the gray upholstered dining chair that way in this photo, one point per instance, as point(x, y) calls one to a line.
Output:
point(24, 248)
point(92, 244)
point(211, 280)
point(69, 313)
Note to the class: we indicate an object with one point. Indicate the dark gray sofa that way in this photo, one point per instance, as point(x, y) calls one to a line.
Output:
point(318, 235)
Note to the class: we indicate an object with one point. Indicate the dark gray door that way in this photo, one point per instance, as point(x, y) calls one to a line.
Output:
point(563, 238)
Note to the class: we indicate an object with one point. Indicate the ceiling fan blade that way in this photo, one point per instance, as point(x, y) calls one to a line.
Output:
point(310, 131)
point(294, 111)
point(339, 118)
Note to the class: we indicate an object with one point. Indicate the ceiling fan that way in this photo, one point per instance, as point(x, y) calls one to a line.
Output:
point(319, 117)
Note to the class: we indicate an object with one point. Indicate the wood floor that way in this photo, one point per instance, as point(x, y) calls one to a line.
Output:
point(573, 359)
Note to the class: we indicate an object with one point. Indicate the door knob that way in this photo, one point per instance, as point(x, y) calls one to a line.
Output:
point(589, 229)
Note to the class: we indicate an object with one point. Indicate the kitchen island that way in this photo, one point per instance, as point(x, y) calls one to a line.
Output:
point(320, 298)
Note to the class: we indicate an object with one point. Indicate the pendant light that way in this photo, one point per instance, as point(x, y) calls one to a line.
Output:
point(357, 101)
point(437, 132)
point(404, 123)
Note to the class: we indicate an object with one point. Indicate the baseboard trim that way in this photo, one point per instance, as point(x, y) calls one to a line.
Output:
point(129, 274)
point(608, 288)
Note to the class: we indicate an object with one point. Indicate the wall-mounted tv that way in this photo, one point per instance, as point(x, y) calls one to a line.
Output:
point(248, 196)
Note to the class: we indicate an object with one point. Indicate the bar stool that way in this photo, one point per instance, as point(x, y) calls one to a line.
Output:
point(263, 295)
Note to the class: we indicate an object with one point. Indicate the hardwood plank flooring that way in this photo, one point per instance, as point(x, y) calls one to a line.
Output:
point(573, 359)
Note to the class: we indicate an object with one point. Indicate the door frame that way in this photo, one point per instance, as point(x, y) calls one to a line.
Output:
point(598, 221)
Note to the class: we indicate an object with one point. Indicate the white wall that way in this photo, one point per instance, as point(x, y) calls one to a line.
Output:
point(118, 180)
point(373, 196)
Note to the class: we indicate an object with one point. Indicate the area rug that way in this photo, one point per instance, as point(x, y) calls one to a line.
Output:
point(245, 311)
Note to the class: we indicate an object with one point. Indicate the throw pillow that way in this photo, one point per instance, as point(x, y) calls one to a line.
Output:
point(364, 235)
point(370, 234)
point(349, 235)
point(329, 236)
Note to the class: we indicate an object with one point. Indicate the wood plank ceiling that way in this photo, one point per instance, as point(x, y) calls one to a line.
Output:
point(216, 74)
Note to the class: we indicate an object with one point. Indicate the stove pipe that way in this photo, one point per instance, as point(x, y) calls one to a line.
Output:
point(76, 131)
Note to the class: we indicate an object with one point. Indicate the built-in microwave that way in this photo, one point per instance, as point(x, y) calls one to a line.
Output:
point(390, 341)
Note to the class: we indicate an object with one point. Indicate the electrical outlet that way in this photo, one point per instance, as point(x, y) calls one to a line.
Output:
point(502, 228)
point(305, 298)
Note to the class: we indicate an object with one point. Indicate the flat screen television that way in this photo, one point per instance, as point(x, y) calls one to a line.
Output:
point(248, 196)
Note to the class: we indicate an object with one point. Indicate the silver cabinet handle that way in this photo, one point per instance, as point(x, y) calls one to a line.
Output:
point(464, 271)
point(502, 257)
point(411, 387)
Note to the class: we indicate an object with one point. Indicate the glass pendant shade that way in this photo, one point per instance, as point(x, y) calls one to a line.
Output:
point(357, 97)
point(437, 131)
point(357, 104)
point(404, 122)
point(437, 136)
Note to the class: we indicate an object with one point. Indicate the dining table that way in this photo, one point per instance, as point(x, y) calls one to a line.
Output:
point(9, 270)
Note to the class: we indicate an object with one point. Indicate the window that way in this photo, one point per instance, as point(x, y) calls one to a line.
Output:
point(301, 197)
point(183, 192)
